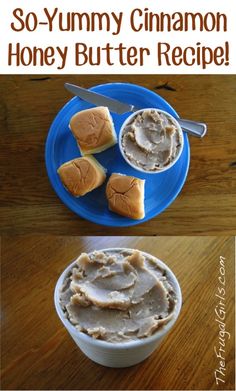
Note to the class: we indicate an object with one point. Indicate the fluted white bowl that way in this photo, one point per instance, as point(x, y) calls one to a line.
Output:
point(176, 157)
point(121, 354)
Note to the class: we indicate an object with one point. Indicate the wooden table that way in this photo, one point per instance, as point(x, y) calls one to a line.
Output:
point(206, 204)
point(38, 353)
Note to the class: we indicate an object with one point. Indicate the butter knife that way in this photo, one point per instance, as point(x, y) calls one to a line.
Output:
point(197, 129)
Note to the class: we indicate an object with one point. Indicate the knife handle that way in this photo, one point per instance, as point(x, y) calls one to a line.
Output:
point(197, 129)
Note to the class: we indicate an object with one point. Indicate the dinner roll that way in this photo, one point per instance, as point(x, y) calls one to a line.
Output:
point(81, 175)
point(93, 129)
point(125, 196)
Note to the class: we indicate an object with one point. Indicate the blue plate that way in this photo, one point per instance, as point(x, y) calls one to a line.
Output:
point(160, 189)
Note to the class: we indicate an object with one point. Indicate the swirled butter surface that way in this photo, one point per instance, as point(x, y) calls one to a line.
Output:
point(151, 140)
point(118, 295)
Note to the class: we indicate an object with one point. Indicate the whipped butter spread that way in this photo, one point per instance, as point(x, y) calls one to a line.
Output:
point(151, 140)
point(117, 295)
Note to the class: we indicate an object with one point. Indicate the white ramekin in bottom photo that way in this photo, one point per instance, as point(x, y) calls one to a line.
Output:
point(121, 354)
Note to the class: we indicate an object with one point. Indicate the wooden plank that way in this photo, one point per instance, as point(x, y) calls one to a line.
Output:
point(37, 352)
point(28, 105)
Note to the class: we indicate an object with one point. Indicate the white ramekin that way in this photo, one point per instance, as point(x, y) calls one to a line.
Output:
point(139, 168)
point(122, 354)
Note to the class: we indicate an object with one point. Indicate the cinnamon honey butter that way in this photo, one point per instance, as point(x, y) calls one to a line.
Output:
point(118, 295)
point(151, 140)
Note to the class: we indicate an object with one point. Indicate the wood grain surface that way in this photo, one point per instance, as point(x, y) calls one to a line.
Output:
point(38, 353)
point(206, 205)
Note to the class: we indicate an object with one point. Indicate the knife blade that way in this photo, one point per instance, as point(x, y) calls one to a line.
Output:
point(100, 100)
